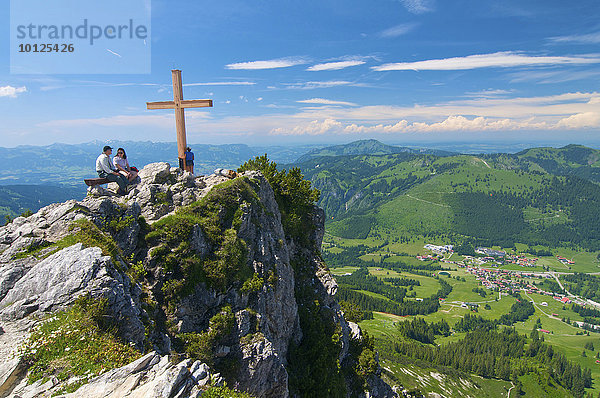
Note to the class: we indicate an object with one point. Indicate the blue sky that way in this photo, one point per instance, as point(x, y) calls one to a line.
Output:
point(330, 71)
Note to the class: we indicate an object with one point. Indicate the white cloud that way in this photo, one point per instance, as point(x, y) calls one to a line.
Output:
point(335, 65)
point(268, 64)
point(324, 101)
point(323, 84)
point(453, 123)
point(10, 91)
point(580, 121)
point(495, 60)
point(221, 84)
point(398, 30)
point(259, 99)
point(418, 6)
point(590, 38)
point(560, 112)
point(315, 127)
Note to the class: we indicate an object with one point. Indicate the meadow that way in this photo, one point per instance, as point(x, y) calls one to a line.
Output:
point(568, 339)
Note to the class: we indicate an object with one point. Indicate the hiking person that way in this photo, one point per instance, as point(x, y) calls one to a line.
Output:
point(189, 160)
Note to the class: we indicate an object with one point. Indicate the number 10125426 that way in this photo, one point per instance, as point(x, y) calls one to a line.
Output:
point(46, 48)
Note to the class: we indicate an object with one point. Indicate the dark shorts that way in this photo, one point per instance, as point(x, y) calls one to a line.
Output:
point(189, 162)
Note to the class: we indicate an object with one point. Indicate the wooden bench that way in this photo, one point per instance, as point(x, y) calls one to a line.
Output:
point(90, 182)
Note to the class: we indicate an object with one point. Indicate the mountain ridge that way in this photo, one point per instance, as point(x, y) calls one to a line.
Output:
point(366, 147)
point(206, 270)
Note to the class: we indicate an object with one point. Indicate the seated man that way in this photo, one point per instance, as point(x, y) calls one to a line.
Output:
point(105, 170)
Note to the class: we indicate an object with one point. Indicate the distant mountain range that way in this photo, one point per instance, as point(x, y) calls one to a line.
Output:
point(45, 169)
point(69, 164)
point(547, 196)
point(16, 199)
point(367, 147)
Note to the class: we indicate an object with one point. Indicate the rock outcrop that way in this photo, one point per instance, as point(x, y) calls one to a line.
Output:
point(43, 270)
point(152, 375)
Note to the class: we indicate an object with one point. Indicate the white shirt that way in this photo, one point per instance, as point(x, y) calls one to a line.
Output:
point(117, 161)
point(103, 164)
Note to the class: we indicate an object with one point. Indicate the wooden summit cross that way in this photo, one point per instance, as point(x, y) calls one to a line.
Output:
point(179, 104)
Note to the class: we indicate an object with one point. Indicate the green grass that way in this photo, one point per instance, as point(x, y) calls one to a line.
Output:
point(429, 286)
point(423, 214)
point(78, 342)
point(81, 231)
point(533, 387)
point(410, 375)
point(342, 270)
point(382, 325)
point(224, 392)
point(564, 337)
point(431, 380)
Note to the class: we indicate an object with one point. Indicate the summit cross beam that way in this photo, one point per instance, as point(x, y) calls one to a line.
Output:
point(179, 104)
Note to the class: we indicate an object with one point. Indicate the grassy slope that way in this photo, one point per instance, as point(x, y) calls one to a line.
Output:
point(563, 336)
point(402, 219)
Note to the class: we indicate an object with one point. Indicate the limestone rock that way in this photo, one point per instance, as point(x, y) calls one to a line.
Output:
point(149, 376)
point(57, 281)
point(263, 373)
point(155, 173)
point(355, 332)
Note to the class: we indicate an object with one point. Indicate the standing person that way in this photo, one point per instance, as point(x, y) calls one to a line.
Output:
point(105, 169)
point(189, 160)
point(122, 165)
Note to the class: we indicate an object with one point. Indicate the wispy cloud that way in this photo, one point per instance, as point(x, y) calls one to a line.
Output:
point(324, 101)
point(418, 6)
point(495, 60)
point(268, 64)
point(553, 77)
point(515, 108)
point(114, 53)
point(335, 65)
point(234, 83)
point(489, 93)
point(149, 120)
point(54, 84)
point(312, 85)
point(398, 30)
point(12, 92)
point(590, 38)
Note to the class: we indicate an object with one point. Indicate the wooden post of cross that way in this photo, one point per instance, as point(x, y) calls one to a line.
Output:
point(179, 104)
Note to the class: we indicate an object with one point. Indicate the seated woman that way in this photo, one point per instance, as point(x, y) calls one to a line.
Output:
point(121, 164)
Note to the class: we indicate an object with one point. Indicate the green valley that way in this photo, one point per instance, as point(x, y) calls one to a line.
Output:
point(522, 242)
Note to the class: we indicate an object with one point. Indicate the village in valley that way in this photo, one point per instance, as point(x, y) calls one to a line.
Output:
point(486, 270)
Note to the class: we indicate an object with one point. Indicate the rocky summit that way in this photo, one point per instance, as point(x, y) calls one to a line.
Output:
point(184, 286)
